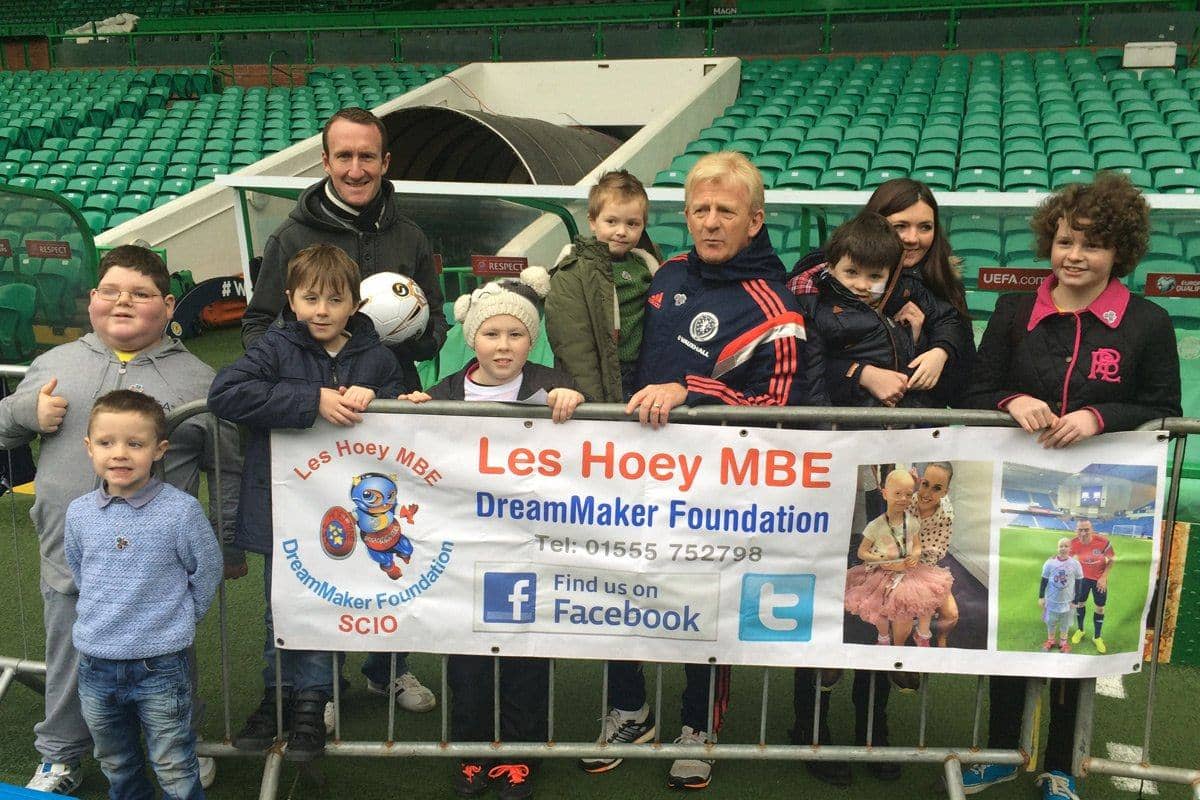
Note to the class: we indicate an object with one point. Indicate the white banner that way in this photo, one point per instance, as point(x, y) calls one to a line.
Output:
point(691, 543)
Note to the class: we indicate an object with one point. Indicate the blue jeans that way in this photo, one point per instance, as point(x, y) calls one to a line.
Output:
point(123, 700)
point(303, 670)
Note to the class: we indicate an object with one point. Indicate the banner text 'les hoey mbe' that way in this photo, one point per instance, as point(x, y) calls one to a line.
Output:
point(690, 543)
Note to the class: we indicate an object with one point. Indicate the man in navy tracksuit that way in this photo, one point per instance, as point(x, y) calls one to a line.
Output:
point(720, 327)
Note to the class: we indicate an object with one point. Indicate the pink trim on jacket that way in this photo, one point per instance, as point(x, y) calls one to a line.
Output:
point(1109, 307)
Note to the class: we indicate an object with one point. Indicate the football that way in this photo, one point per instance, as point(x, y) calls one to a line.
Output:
point(397, 306)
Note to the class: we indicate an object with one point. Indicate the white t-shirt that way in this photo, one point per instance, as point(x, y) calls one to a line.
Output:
point(1062, 578)
point(504, 393)
point(886, 539)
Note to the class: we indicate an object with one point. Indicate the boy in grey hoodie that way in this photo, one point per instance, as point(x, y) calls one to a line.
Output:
point(128, 349)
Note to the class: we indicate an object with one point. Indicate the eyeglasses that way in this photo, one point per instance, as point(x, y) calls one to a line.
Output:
point(112, 294)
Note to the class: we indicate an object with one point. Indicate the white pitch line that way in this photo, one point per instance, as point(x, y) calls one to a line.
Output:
point(1133, 755)
point(1111, 686)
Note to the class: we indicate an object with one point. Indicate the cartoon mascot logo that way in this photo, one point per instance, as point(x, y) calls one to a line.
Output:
point(376, 518)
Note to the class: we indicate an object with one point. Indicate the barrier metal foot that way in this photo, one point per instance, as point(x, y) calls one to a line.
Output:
point(271, 771)
point(954, 782)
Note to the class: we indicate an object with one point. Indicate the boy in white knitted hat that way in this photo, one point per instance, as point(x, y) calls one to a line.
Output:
point(501, 322)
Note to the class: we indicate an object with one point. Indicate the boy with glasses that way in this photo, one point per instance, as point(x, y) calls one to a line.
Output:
point(128, 349)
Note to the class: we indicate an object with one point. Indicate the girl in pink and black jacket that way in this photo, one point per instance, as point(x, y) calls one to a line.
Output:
point(1080, 357)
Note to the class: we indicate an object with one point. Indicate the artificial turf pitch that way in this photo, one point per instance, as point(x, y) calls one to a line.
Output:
point(1023, 552)
point(577, 702)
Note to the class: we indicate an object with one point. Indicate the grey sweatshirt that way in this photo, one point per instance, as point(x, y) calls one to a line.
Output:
point(87, 369)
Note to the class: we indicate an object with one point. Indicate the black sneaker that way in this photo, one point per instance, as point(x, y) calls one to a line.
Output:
point(511, 781)
point(307, 740)
point(260, 731)
point(471, 780)
point(835, 773)
point(884, 770)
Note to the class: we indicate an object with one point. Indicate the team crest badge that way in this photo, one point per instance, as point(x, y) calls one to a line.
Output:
point(704, 326)
point(680, 299)
point(1109, 316)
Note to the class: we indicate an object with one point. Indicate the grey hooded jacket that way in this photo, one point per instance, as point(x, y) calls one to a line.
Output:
point(87, 369)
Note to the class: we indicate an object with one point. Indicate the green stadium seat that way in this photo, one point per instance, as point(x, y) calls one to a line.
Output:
point(900, 162)
point(18, 303)
point(934, 161)
point(1062, 177)
point(1177, 180)
point(145, 185)
point(683, 163)
point(102, 201)
point(1167, 159)
point(1139, 177)
point(1116, 159)
point(455, 354)
point(841, 179)
point(136, 202)
point(798, 178)
point(96, 219)
point(669, 177)
point(1025, 160)
point(176, 185)
point(1025, 179)
point(978, 179)
point(121, 217)
point(52, 183)
point(23, 182)
point(113, 184)
point(35, 169)
point(669, 238)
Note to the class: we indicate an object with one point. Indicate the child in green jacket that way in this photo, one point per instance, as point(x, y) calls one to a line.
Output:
point(598, 293)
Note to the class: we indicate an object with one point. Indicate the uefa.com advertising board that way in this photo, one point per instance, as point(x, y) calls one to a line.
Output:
point(696, 543)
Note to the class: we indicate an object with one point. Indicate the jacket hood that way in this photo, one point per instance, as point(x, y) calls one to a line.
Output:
point(758, 260)
point(582, 243)
point(362, 334)
point(308, 211)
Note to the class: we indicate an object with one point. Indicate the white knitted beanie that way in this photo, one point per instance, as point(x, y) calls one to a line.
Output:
point(521, 298)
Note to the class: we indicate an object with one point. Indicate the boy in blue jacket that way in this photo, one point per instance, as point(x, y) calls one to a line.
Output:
point(330, 362)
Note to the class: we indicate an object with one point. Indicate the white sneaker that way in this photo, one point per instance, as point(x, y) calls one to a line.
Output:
point(691, 773)
point(411, 694)
point(54, 778)
point(621, 727)
point(329, 718)
point(208, 771)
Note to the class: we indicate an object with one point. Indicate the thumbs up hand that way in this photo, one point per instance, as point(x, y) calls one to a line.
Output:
point(51, 408)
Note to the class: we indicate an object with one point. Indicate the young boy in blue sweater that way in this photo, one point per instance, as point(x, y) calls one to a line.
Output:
point(147, 565)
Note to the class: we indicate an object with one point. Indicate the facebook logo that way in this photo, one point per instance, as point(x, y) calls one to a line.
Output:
point(509, 596)
point(776, 608)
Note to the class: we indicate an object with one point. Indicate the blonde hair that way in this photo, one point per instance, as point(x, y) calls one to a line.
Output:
point(725, 167)
point(899, 475)
point(1064, 540)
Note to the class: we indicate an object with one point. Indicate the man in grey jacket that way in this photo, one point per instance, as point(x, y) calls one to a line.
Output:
point(355, 209)
point(129, 312)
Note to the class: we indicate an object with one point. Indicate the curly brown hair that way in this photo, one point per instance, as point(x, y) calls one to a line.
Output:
point(1110, 211)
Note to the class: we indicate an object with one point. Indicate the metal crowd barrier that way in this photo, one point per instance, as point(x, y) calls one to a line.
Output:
point(952, 759)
